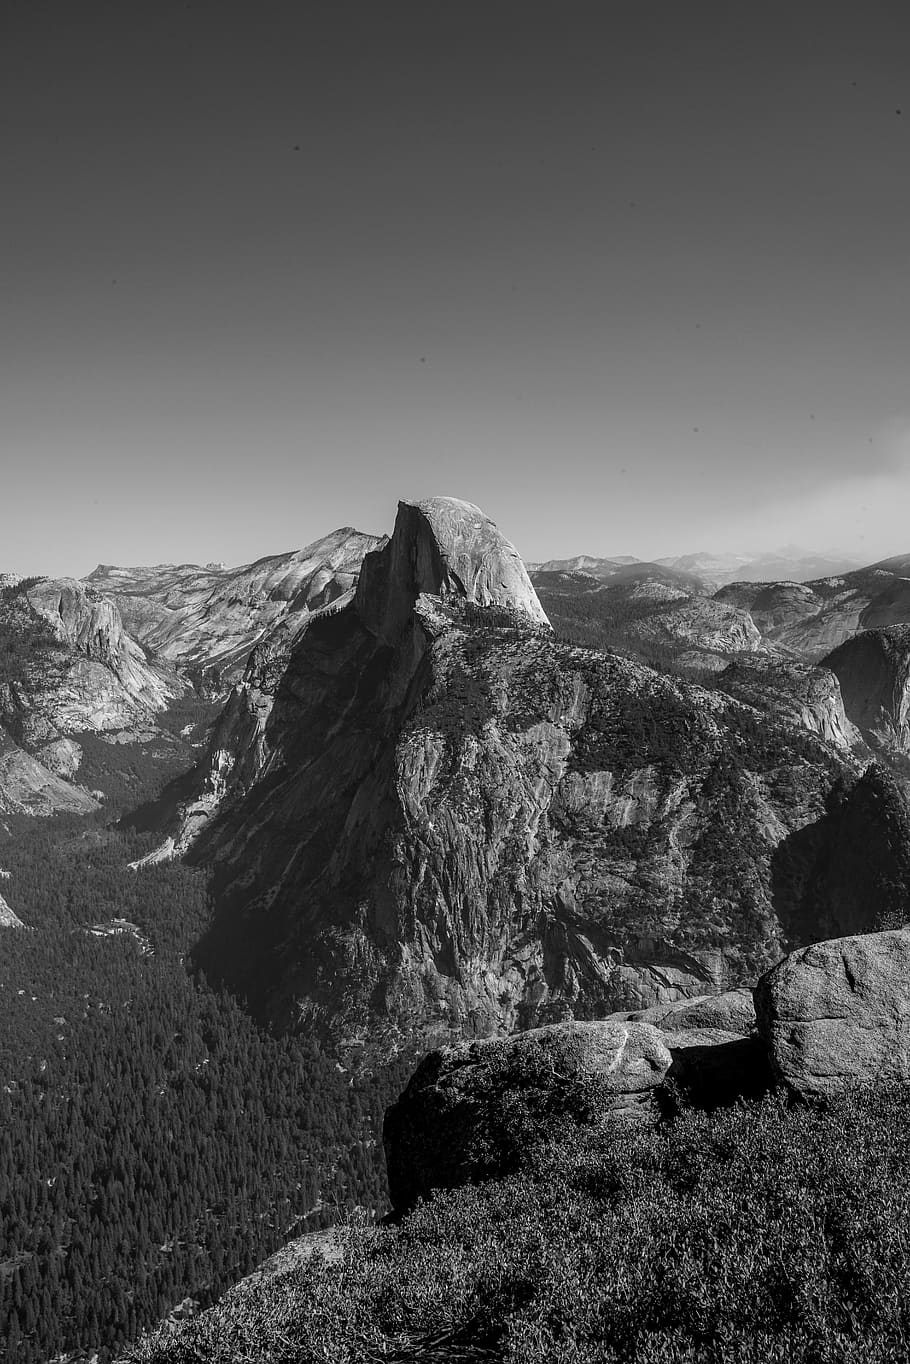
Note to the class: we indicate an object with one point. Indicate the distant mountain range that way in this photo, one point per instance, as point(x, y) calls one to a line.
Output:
point(791, 563)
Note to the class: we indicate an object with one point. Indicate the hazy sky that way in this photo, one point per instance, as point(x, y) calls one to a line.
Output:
point(635, 277)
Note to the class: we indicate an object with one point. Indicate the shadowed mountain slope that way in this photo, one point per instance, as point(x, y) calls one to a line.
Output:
point(454, 823)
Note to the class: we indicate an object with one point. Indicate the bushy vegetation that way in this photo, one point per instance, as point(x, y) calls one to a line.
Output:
point(758, 1233)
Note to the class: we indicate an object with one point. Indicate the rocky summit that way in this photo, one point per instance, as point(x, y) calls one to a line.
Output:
point(450, 822)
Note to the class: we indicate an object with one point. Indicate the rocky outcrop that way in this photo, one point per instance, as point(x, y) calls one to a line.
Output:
point(808, 619)
point(72, 667)
point(731, 1012)
point(701, 623)
point(68, 668)
point(873, 670)
point(718, 1056)
point(27, 787)
point(475, 1111)
point(209, 619)
point(457, 824)
point(837, 1014)
point(796, 693)
point(7, 918)
point(445, 548)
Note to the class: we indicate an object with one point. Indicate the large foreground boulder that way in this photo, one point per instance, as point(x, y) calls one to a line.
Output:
point(473, 1111)
point(837, 1014)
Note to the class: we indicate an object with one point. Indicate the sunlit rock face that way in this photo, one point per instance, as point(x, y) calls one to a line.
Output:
point(798, 693)
point(68, 667)
point(873, 670)
point(447, 548)
point(835, 1015)
point(208, 619)
point(28, 787)
point(807, 620)
point(106, 681)
point(451, 823)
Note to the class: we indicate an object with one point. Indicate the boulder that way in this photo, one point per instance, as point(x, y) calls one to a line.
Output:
point(717, 1055)
point(837, 1014)
point(731, 1012)
point(473, 1111)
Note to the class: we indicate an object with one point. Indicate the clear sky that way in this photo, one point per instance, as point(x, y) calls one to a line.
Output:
point(634, 277)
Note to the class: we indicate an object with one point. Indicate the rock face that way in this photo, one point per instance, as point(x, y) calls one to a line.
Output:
point(209, 619)
point(732, 1012)
point(837, 1014)
point(873, 669)
point(797, 693)
point(7, 918)
point(451, 824)
point(27, 787)
point(808, 619)
point(645, 608)
point(80, 670)
point(473, 1111)
point(718, 1056)
point(67, 667)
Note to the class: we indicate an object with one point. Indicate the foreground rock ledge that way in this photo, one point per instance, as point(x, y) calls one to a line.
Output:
point(470, 1112)
point(837, 1014)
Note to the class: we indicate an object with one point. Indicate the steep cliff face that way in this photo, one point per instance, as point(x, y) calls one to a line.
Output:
point(66, 667)
point(873, 669)
point(457, 824)
point(210, 618)
point(71, 666)
point(796, 693)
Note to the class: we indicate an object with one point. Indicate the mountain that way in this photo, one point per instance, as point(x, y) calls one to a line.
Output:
point(788, 563)
point(662, 615)
point(584, 563)
point(809, 619)
point(208, 619)
point(451, 822)
point(873, 670)
point(68, 669)
point(791, 562)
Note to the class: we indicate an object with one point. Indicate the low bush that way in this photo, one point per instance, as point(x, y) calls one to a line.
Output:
point(759, 1233)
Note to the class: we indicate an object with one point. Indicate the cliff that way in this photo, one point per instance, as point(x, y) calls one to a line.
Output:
point(873, 669)
point(68, 667)
point(454, 824)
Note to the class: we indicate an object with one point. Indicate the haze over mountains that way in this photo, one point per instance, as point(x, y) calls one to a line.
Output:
point(788, 563)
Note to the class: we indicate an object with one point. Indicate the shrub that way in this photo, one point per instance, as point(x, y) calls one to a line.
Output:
point(756, 1233)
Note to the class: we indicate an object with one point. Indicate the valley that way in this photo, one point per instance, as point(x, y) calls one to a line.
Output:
point(268, 834)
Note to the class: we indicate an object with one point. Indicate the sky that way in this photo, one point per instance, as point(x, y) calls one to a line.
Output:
point(634, 277)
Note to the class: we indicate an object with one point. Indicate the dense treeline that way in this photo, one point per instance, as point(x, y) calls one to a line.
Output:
point(154, 1142)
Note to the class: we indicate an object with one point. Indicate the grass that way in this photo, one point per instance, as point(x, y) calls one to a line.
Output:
point(758, 1233)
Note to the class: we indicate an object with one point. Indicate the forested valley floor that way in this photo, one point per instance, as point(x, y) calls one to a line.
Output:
point(155, 1143)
